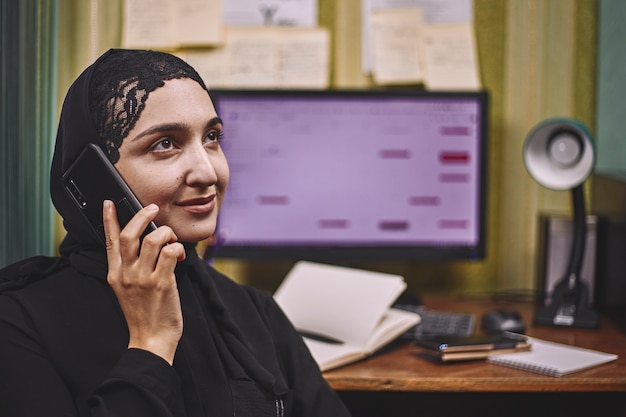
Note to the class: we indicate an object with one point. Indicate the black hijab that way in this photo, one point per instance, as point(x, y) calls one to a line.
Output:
point(100, 107)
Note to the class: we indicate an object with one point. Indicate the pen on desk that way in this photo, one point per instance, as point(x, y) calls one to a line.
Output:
point(516, 336)
point(320, 338)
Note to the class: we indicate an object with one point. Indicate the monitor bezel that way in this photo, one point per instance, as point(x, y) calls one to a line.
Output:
point(340, 253)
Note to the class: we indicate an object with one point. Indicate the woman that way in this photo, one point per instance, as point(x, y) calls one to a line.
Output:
point(146, 328)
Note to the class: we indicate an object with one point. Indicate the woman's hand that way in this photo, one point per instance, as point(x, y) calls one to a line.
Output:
point(144, 281)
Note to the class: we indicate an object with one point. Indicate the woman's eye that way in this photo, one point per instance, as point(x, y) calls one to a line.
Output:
point(214, 136)
point(163, 145)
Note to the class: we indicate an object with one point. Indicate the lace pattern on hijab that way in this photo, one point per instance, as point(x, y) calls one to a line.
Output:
point(120, 86)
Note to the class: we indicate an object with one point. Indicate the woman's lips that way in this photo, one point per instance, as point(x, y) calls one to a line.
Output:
point(198, 205)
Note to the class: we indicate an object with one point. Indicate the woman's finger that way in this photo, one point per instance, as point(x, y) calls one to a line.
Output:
point(155, 246)
point(130, 235)
point(170, 255)
point(112, 234)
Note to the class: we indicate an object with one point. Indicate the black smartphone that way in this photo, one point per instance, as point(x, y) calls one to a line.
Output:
point(90, 180)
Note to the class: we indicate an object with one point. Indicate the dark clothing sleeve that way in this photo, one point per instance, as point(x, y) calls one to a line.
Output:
point(140, 384)
point(29, 383)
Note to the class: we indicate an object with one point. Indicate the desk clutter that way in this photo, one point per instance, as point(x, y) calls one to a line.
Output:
point(346, 315)
point(515, 351)
point(508, 347)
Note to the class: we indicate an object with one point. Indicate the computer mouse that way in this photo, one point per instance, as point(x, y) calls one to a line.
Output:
point(498, 321)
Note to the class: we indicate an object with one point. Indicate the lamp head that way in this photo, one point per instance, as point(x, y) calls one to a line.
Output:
point(559, 153)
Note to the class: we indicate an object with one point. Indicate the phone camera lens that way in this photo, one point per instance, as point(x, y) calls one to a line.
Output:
point(78, 196)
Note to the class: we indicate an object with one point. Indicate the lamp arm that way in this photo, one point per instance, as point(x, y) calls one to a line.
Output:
point(569, 305)
point(579, 234)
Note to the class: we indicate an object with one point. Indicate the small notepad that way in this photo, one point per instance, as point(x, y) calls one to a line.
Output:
point(553, 359)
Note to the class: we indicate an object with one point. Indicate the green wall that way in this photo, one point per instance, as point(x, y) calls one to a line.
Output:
point(611, 131)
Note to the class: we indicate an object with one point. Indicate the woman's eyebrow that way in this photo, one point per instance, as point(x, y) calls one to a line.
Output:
point(215, 121)
point(169, 127)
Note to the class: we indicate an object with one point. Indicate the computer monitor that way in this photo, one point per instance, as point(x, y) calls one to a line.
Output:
point(353, 175)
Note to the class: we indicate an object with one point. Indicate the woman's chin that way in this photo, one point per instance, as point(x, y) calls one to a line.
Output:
point(194, 234)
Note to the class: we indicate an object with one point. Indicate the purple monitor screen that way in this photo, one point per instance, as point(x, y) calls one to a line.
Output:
point(353, 174)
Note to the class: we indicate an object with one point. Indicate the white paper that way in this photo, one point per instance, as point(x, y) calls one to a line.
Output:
point(450, 57)
point(198, 22)
point(342, 303)
point(148, 24)
point(211, 64)
point(270, 12)
point(395, 43)
point(329, 356)
point(435, 12)
point(303, 58)
point(253, 56)
point(272, 57)
point(167, 24)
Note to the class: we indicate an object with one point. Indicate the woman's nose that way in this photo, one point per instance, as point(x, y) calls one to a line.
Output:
point(200, 169)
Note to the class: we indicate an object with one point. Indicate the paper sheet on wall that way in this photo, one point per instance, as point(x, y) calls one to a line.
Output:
point(266, 57)
point(212, 64)
point(140, 30)
point(270, 12)
point(450, 57)
point(167, 24)
point(435, 12)
point(303, 58)
point(253, 54)
point(395, 44)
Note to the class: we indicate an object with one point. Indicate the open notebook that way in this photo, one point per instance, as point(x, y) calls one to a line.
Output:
point(344, 314)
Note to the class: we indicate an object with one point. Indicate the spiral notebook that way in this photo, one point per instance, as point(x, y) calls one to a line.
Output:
point(553, 359)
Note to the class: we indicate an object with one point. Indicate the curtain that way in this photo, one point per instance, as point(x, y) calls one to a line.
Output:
point(27, 126)
point(549, 71)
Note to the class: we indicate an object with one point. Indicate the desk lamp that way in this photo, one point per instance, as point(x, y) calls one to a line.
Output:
point(559, 154)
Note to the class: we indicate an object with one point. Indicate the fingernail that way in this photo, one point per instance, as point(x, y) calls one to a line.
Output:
point(106, 204)
point(152, 207)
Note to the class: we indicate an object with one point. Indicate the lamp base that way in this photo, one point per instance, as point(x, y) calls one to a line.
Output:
point(567, 315)
point(569, 306)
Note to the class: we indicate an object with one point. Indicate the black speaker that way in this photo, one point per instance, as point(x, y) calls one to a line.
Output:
point(554, 243)
point(611, 270)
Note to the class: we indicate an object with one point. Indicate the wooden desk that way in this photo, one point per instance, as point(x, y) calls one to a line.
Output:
point(404, 378)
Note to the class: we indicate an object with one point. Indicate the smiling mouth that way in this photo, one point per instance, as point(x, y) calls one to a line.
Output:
point(198, 205)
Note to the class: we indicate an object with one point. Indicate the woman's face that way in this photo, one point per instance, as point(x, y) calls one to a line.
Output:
point(172, 158)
